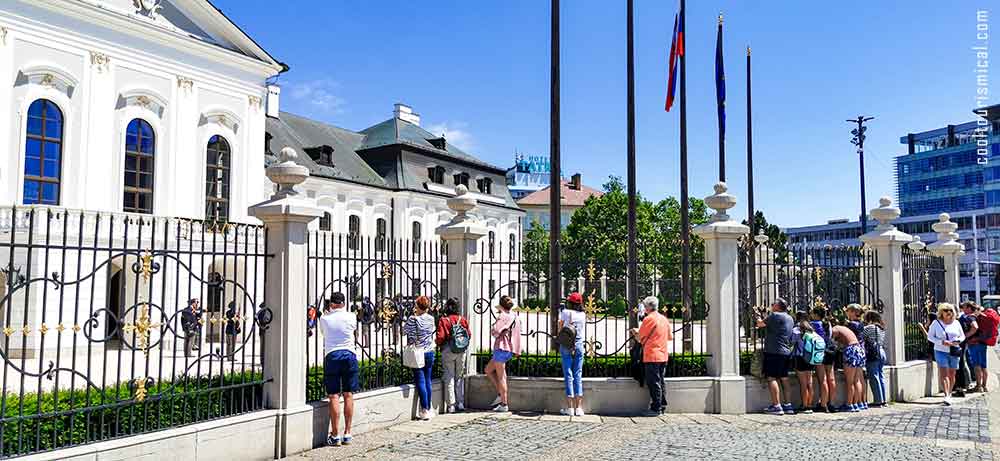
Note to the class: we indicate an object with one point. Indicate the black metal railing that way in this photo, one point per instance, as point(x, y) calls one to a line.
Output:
point(522, 274)
point(806, 276)
point(381, 278)
point(923, 288)
point(91, 325)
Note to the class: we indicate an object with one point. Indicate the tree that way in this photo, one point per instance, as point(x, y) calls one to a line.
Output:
point(535, 252)
point(776, 238)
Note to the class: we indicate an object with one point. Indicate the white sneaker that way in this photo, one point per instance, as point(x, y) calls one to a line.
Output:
point(501, 408)
point(579, 412)
point(947, 401)
point(450, 409)
point(496, 401)
point(422, 414)
point(566, 411)
point(430, 414)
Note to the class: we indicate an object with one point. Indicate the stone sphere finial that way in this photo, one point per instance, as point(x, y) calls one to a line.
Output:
point(461, 190)
point(286, 173)
point(461, 204)
point(916, 244)
point(884, 201)
point(885, 214)
point(944, 217)
point(720, 201)
point(761, 237)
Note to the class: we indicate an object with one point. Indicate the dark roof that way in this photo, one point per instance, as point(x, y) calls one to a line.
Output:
point(301, 133)
point(398, 131)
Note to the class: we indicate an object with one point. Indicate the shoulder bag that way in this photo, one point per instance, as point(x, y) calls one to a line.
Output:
point(953, 351)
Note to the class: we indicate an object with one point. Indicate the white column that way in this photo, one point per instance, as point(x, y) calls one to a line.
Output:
point(97, 135)
point(887, 242)
point(287, 216)
point(721, 235)
point(462, 236)
point(8, 134)
point(186, 151)
point(948, 248)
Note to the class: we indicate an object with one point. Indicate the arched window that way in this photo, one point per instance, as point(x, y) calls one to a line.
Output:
point(140, 145)
point(217, 167)
point(353, 231)
point(492, 243)
point(325, 222)
point(43, 153)
point(415, 237)
point(512, 246)
point(380, 234)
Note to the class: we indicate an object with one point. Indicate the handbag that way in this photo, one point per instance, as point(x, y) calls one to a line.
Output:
point(954, 351)
point(413, 356)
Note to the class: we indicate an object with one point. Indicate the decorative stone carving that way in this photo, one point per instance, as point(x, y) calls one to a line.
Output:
point(916, 244)
point(720, 202)
point(3, 35)
point(461, 204)
point(99, 61)
point(286, 173)
point(185, 84)
point(143, 101)
point(147, 8)
point(885, 214)
point(761, 237)
point(254, 101)
point(47, 80)
point(947, 237)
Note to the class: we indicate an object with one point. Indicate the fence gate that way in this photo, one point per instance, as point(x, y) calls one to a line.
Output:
point(923, 288)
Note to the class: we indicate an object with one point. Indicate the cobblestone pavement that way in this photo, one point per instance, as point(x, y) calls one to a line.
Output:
point(909, 432)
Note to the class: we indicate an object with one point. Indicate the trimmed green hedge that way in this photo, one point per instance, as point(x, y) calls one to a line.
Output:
point(51, 420)
point(372, 374)
point(612, 366)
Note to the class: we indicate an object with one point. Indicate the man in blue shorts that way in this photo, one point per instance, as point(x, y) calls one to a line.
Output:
point(976, 345)
point(340, 365)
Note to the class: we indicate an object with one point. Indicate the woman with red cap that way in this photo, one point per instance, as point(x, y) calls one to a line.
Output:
point(572, 322)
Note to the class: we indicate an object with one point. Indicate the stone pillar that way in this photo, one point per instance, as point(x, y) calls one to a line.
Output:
point(287, 216)
point(887, 242)
point(721, 235)
point(951, 251)
point(462, 235)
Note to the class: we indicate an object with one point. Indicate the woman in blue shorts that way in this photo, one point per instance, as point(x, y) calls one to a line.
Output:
point(946, 334)
point(506, 344)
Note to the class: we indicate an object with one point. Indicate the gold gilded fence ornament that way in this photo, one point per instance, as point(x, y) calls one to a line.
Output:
point(386, 272)
point(141, 328)
point(590, 307)
point(590, 347)
point(140, 390)
point(146, 265)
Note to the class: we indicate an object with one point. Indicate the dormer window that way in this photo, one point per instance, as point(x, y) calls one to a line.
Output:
point(439, 143)
point(322, 155)
point(436, 174)
point(485, 185)
point(462, 178)
point(267, 143)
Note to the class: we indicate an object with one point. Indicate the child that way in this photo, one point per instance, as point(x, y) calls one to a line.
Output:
point(873, 337)
point(803, 369)
point(825, 375)
point(854, 313)
point(854, 360)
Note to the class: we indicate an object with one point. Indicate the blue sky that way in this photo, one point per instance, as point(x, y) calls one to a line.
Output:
point(479, 71)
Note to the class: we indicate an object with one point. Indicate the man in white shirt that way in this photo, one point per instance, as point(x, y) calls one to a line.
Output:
point(340, 364)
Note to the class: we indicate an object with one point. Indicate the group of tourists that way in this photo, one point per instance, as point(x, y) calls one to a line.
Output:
point(191, 323)
point(813, 346)
point(450, 334)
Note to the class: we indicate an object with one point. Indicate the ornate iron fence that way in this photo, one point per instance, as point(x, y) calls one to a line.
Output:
point(381, 278)
point(806, 277)
point(93, 334)
point(923, 288)
point(521, 272)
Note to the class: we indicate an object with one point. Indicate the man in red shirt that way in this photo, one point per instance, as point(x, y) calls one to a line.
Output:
point(654, 334)
point(986, 336)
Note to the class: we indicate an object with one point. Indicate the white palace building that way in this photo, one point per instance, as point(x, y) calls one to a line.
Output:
point(165, 113)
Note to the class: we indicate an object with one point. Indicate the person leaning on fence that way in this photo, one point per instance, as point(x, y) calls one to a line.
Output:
point(873, 339)
point(777, 355)
point(854, 312)
point(340, 365)
point(800, 362)
point(419, 330)
point(946, 334)
point(572, 322)
point(963, 377)
point(190, 323)
point(233, 329)
point(825, 373)
point(506, 333)
point(453, 337)
point(654, 334)
point(986, 335)
point(854, 360)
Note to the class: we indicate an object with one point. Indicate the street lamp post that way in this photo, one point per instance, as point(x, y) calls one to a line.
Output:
point(859, 141)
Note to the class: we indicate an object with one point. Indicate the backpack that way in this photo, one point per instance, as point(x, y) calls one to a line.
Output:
point(459, 341)
point(813, 348)
point(989, 335)
point(871, 346)
point(567, 337)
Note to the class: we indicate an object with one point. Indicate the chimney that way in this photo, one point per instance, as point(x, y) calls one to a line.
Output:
point(405, 113)
point(273, 97)
point(575, 181)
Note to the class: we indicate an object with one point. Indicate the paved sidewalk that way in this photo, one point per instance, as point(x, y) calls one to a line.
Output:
point(967, 430)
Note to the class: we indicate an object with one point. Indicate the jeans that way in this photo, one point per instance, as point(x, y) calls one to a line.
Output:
point(572, 368)
point(422, 380)
point(192, 341)
point(654, 382)
point(876, 379)
point(454, 376)
point(962, 378)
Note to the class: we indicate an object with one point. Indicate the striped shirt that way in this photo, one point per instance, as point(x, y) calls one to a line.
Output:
point(419, 330)
point(873, 335)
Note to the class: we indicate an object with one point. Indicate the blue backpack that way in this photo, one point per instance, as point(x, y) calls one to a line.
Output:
point(813, 348)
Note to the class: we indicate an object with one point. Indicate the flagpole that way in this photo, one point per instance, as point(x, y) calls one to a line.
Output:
point(685, 223)
point(633, 273)
point(554, 174)
point(750, 211)
point(721, 101)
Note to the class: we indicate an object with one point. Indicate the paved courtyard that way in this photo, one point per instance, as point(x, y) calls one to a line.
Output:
point(903, 431)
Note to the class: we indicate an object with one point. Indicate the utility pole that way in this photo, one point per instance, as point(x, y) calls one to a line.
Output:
point(859, 141)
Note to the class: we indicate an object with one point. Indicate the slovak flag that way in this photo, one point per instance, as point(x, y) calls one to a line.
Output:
point(676, 51)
